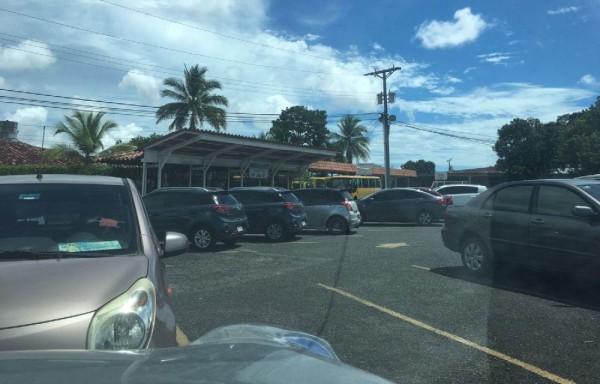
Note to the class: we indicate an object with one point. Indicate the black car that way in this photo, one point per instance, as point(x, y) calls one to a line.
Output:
point(276, 212)
point(405, 205)
point(206, 215)
point(542, 223)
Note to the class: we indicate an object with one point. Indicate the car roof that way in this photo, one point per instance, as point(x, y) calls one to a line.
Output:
point(264, 189)
point(321, 189)
point(61, 179)
point(460, 185)
point(574, 182)
point(190, 189)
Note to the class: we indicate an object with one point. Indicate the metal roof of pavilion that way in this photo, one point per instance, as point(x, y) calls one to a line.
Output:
point(206, 148)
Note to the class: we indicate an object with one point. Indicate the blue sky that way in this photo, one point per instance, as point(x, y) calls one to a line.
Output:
point(468, 67)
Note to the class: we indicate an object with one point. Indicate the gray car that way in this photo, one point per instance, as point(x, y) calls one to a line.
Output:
point(80, 266)
point(331, 209)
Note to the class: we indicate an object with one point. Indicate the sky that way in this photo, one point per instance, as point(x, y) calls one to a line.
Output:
point(467, 67)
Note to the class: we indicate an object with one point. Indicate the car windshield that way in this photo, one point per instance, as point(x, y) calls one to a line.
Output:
point(66, 218)
point(592, 189)
point(225, 199)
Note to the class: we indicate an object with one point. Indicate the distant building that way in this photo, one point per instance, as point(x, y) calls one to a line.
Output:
point(9, 130)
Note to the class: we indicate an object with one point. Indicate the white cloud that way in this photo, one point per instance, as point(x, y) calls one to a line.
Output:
point(469, 69)
point(123, 133)
point(26, 55)
point(2, 82)
point(560, 11)
point(465, 28)
point(146, 86)
point(377, 47)
point(495, 58)
point(31, 126)
point(589, 81)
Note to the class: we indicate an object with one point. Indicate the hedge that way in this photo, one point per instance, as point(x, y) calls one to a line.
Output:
point(33, 169)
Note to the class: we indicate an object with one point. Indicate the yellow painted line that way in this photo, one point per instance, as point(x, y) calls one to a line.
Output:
point(420, 267)
point(229, 252)
point(182, 339)
point(392, 245)
point(531, 368)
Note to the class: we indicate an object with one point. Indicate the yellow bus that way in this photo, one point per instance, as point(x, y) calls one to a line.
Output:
point(358, 186)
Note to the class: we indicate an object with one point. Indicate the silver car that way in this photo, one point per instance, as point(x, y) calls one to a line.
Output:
point(80, 266)
point(331, 209)
point(461, 193)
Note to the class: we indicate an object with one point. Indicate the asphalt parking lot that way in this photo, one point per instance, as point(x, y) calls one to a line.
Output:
point(393, 301)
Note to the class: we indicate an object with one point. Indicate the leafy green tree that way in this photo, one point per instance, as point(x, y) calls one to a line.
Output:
point(528, 149)
point(421, 166)
point(581, 140)
point(194, 102)
point(141, 141)
point(86, 131)
point(300, 126)
point(352, 139)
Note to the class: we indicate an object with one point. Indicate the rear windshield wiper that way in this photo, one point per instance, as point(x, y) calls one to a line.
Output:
point(33, 255)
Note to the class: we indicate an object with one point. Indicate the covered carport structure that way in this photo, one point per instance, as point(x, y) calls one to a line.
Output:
point(204, 150)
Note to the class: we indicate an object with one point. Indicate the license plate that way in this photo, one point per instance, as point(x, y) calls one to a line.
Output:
point(240, 228)
point(303, 223)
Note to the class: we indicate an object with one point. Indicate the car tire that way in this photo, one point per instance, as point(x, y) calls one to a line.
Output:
point(203, 238)
point(337, 225)
point(476, 257)
point(424, 218)
point(274, 231)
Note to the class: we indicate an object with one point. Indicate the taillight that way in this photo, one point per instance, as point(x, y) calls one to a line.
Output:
point(347, 205)
point(441, 201)
point(449, 200)
point(220, 208)
point(290, 206)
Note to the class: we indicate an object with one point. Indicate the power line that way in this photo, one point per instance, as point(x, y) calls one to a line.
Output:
point(474, 140)
point(166, 48)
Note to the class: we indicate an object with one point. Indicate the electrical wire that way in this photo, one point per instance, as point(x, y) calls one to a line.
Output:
point(430, 130)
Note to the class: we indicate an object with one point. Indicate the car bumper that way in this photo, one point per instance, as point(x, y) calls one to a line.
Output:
point(354, 220)
point(297, 225)
point(451, 239)
point(232, 230)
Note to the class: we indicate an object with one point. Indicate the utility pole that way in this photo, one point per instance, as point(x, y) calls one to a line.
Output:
point(384, 74)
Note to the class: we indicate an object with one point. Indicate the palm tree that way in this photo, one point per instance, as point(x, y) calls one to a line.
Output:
point(195, 101)
point(352, 139)
point(85, 130)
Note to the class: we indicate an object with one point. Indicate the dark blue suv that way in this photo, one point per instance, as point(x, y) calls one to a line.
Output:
point(206, 215)
point(276, 212)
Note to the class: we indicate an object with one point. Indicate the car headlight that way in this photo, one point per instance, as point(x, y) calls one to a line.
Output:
point(127, 321)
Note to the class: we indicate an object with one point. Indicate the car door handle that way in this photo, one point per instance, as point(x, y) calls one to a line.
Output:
point(537, 221)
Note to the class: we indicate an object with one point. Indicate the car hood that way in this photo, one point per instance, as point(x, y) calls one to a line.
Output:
point(35, 291)
point(225, 357)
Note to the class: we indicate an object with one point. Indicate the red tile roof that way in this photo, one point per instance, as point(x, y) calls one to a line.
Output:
point(132, 157)
point(343, 168)
point(14, 152)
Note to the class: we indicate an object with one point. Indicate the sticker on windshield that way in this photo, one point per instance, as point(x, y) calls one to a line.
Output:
point(89, 246)
point(29, 196)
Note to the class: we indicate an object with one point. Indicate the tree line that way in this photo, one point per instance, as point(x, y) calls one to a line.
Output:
point(530, 149)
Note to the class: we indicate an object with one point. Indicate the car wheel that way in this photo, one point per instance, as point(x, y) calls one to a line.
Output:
point(275, 231)
point(337, 225)
point(424, 218)
point(202, 238)
point(476, 257)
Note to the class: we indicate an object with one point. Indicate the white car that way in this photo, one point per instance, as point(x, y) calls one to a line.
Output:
point(461, 193)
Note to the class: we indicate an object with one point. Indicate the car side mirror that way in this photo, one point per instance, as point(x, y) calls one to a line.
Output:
point(582, 211)
point(175, 244)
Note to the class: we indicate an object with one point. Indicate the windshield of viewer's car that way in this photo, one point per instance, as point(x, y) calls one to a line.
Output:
point(69, 219)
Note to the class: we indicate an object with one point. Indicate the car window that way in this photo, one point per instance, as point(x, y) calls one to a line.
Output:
point(457, 190)
point(67, 218)
point(289, 196)
point(247, 197)
point(558, 201)
point(346, 196)
point(307, 197)
point(155, 200)
point(513, 199)
point(383, 196)
point(224, 198)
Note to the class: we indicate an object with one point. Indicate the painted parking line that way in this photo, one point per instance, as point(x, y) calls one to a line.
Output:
point(519, 363)
point(182, 339)
point(303, 242)
point(421, 267)
point(392, 245)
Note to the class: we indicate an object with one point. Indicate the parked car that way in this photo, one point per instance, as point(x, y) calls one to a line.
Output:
point(590, 177)
point(544, 223)
point(329, 208)
point(447, 198)
point(460, 193)
point(81, 266)
point(276, 212)
point(206, 215)
point(402, 205)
